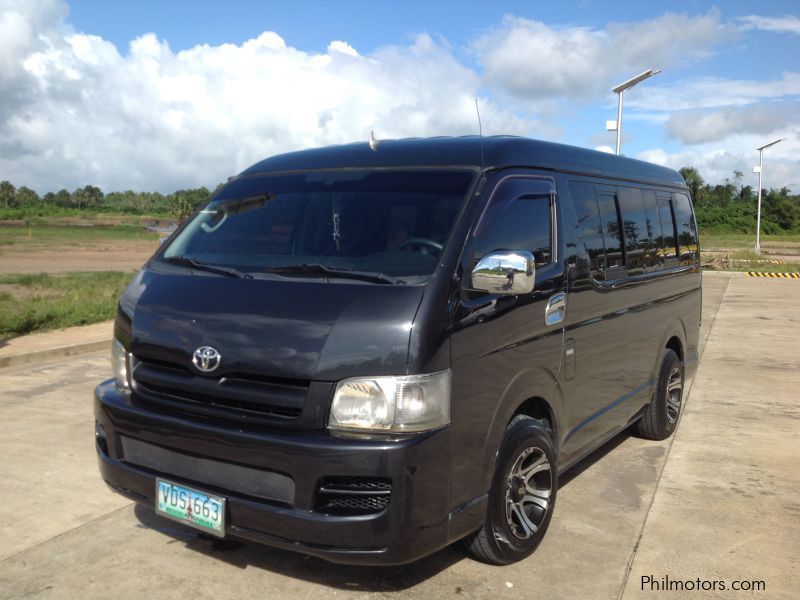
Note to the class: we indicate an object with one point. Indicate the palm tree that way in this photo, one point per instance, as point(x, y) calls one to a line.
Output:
point(693, 180)
point(8, 194)
point(738, 176)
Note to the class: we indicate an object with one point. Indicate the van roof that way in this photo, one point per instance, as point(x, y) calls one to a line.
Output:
point(498, 152)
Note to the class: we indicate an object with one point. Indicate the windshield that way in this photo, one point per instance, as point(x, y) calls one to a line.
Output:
point(389, 226)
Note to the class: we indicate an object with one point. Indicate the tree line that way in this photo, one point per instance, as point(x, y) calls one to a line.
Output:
point(729, 207)
point(24, 202)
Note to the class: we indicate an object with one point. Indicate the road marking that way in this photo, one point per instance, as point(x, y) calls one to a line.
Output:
point(774, 275)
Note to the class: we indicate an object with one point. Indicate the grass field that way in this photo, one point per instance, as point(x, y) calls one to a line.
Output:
point(711, 241)
point(37, 236)
point(76, 230)
point(41, 302)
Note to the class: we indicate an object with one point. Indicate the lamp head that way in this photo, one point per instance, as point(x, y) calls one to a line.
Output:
point(633, 81)
point(770, 144)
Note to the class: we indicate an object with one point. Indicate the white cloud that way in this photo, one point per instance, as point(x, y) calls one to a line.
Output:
point(708, 92)
point(716, 163)
point(697, 127)
point(532, 60)
point(20, 29)
point(82, 112)
point(724, 120)
point(784, 24)
point(75, 109)
point(342, 47)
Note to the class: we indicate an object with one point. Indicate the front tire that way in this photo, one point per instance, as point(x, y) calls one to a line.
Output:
point(522, 496)
point(660, 418)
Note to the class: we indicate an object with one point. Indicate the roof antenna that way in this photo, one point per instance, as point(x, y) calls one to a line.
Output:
point(373, 141)
point(480, 133)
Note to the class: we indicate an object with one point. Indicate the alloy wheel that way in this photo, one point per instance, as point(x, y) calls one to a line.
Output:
point(528, 490)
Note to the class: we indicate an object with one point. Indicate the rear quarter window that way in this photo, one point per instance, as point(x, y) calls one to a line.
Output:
point(688, 246)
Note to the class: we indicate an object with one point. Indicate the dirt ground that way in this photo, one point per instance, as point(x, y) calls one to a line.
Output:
point(113, 255)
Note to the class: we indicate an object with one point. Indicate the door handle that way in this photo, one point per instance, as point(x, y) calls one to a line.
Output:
point(556, 307)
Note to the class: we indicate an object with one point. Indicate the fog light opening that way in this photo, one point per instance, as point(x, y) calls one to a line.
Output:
point(100, 438)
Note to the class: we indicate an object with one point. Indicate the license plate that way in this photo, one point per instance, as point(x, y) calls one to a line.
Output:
point(190, 506)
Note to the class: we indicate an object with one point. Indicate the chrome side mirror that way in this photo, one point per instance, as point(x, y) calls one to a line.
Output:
point(505, 272)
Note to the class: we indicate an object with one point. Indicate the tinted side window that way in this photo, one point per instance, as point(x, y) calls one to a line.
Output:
point(612, 233)
point(687, 234)
point(518, 218)
point(638, 222)
point(591, 228)
point(667, 243)
point(653, 223)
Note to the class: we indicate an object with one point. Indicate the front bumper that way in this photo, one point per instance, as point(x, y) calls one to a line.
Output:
point(417, 520)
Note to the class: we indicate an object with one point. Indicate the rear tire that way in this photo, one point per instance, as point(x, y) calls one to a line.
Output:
point(522, 496)
point(661, 416)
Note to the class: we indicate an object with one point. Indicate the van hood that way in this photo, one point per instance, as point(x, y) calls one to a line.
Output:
point(293, 328)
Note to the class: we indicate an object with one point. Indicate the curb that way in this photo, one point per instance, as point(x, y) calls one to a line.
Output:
point(774, 275)
point(27, 358)
point(759, 260)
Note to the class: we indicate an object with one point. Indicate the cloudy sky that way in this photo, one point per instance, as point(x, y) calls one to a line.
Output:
point(154, 95)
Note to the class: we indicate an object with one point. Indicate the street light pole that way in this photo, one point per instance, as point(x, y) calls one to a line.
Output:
point(619, 122)
point(758, 170)
point(758, 214)
point(619, 90)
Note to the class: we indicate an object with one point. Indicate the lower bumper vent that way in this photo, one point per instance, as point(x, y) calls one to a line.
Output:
point(353, 495)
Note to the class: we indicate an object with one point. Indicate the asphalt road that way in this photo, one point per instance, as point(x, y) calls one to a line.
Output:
point(718, 502)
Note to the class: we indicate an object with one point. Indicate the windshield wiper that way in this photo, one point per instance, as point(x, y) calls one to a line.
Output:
point(201, 266)
point(321, 270)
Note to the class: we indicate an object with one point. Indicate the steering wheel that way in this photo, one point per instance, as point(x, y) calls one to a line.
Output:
point(434, 248)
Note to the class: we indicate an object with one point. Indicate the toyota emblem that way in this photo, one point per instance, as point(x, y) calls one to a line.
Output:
point(206, 358)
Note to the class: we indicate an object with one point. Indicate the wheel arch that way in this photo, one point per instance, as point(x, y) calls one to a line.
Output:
point(538, 408)
point(673, 338)
point(676, 346)
point(534, 393)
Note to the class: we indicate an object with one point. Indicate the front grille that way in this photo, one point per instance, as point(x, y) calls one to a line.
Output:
point(232, 397)
point(353, 495)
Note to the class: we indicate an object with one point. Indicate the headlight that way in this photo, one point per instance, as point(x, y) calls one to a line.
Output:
point(119, 364)
point(392, 404)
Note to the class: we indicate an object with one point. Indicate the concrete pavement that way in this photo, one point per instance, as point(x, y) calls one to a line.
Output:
point(727, 506)
point(65, 535)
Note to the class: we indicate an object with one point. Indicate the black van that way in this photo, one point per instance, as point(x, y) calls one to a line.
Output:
point(367, 353)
